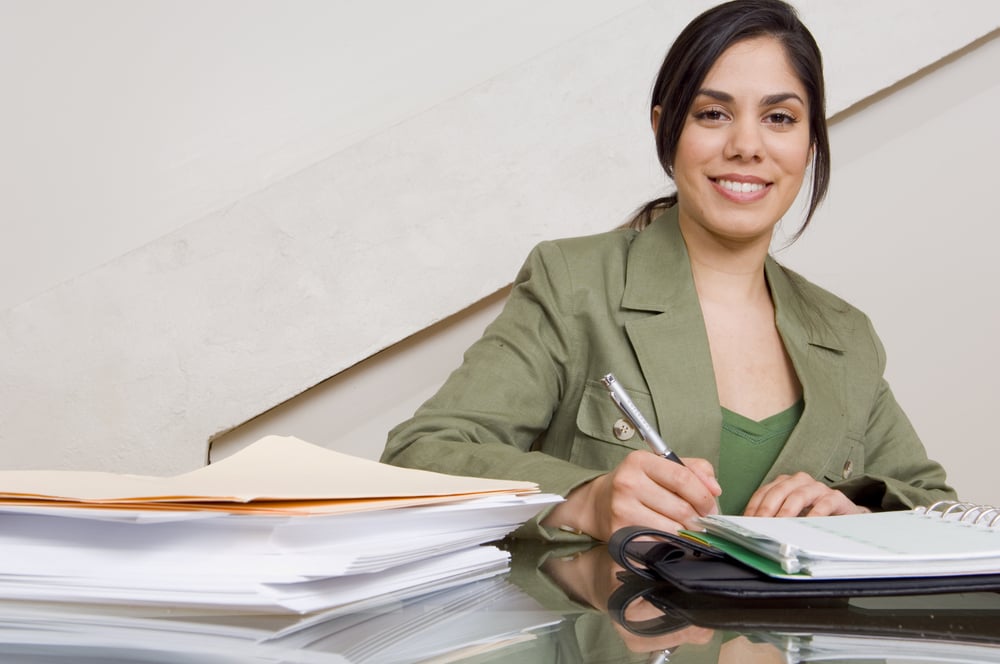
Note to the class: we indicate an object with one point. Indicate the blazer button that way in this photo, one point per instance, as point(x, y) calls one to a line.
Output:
point(848, 468)
point(623, 430)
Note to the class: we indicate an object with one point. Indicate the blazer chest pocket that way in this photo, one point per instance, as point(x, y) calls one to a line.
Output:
point(846, 462)
point(604, 435)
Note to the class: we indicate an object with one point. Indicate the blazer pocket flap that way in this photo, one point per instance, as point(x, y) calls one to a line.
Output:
point(600, 418)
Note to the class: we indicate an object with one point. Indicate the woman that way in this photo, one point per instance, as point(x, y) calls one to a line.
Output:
point(770, 387)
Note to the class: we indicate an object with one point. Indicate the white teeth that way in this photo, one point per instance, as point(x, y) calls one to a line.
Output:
point(741, 187)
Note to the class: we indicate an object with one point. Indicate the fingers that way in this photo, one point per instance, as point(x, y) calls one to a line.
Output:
point(648, 490)
point(612, 501)
point(644, 489)
point(693, 483)
point(798, 495)
point(705, 472)
point(654, 490)
point(645, 643)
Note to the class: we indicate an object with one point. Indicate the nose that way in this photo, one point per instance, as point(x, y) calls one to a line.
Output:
point(745, 142)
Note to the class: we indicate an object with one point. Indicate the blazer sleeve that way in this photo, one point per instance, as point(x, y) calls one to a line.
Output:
point(486, 417)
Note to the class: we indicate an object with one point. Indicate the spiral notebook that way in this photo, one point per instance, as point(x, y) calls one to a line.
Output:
point(945, 539)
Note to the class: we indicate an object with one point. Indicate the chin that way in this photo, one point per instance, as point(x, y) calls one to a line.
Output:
point(746, 231)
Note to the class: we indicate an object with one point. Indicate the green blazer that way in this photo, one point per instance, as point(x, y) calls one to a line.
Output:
point(527, 402)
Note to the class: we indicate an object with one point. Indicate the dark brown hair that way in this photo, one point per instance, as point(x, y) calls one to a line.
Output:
point(692, 55)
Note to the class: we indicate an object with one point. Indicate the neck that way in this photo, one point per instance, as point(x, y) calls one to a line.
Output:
point(727, 271)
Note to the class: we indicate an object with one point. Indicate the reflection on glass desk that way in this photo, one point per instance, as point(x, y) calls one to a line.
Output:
point(557, 604)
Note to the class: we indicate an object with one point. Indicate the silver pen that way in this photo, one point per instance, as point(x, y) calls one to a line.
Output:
point(631, 411)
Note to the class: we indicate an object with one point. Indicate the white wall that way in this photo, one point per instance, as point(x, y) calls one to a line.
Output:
point(125, 121)
point(366, 181)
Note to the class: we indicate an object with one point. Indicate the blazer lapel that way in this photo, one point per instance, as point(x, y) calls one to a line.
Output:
point(817, 353)
point(671, 345)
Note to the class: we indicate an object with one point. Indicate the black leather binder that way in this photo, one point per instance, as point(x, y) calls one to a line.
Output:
point(965, 618)
point(688, 566)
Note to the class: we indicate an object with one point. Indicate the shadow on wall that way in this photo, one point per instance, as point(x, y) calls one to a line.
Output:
point(353, 410)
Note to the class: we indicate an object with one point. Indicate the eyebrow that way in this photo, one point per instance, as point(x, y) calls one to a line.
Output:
point(768, 100)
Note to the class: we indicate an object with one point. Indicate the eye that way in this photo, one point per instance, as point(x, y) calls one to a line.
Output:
point(711, 115)
point(780, 118)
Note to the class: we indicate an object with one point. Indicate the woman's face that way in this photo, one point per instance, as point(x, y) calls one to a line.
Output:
point(745, 146)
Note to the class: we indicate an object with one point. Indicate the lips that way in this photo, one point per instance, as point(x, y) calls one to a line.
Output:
point(742, 189)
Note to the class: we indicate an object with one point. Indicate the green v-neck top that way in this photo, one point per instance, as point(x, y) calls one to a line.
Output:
point(748, 450)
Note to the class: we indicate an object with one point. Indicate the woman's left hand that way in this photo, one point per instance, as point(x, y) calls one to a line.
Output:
point(799, 495)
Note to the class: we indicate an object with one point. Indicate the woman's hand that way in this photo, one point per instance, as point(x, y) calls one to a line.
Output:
point(591, 577)
point(799, 495)
point(644, 490)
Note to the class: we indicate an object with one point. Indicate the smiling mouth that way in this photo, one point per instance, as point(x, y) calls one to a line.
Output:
point(740, 187)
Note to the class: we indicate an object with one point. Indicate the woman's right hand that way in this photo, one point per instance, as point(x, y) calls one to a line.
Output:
point(644, 490)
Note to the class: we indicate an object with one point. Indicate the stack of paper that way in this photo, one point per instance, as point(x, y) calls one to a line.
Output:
point(280, 526)
point(485, 616)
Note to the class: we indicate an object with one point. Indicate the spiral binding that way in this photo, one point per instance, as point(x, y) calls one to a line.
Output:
point(965, 512)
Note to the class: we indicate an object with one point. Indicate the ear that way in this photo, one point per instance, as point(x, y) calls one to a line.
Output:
point(654, 118)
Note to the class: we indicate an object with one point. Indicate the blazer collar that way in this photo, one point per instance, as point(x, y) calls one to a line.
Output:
point(658, 276)
point(659, 271)
point(800, 316)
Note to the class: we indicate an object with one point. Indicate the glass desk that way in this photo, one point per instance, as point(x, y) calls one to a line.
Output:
point(557, 604)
